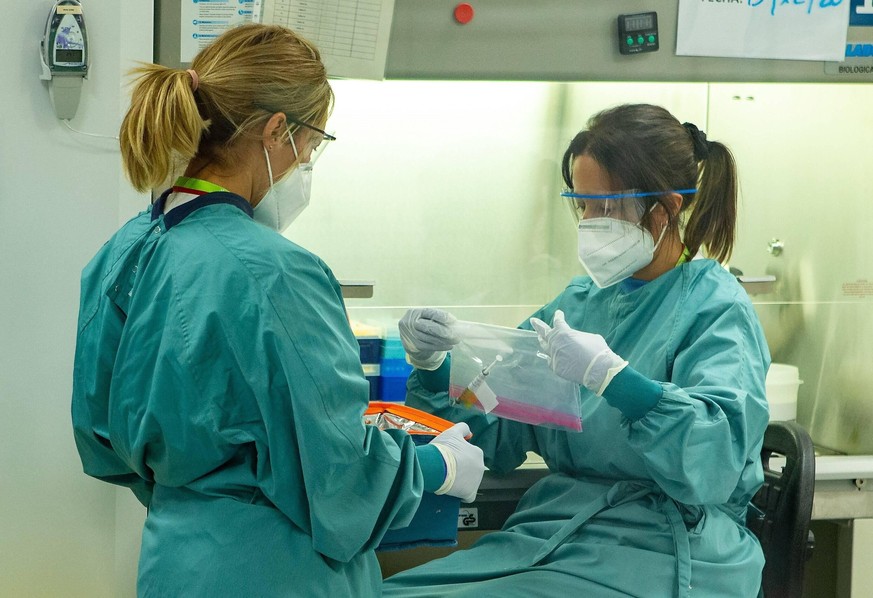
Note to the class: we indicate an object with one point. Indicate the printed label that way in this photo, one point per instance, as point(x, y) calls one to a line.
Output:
point(860, 289)
point(468, 518)
point(486, 398)
point(597, 225)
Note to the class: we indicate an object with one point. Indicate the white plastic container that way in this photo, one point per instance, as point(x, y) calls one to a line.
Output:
point(781, 385)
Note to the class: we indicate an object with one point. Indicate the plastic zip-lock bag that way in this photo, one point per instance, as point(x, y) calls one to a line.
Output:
point(502, 371)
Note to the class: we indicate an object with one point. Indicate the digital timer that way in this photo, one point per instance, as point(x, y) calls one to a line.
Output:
point(638, 33)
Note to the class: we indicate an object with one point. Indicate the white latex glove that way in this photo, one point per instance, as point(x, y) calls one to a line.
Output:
point(427, 335)
point(465, 463)
point(577, 356)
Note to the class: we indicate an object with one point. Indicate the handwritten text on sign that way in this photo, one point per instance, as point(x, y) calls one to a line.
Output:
point(783, 29)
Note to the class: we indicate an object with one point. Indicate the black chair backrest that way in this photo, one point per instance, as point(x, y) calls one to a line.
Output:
point(780, 511)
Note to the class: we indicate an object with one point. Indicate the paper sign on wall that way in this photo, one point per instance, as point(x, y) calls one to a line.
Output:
point(204, 20)
point(784, 29)
point(352, 35)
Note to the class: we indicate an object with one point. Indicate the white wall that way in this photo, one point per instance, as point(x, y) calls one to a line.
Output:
point(61, 196)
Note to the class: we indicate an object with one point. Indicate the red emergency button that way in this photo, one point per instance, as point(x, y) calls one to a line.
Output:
point(464, 13)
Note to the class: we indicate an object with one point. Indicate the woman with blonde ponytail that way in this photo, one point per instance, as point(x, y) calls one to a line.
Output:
point(215, 373)
point(651, 499)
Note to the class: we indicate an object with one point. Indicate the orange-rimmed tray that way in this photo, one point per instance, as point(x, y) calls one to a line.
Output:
point(421, 421)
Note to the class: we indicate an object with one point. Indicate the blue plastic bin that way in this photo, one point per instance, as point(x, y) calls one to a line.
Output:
point(393, 372)
point(435, 523)
point(371, 359)
point(371, 349)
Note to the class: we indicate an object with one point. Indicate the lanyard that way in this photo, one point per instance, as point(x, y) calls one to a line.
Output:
point(194, 186)
point(686, 255)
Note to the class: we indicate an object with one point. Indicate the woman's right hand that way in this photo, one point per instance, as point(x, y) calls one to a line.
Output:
point(427, 334)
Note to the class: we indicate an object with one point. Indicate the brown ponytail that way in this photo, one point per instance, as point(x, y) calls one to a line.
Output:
point(712, 223)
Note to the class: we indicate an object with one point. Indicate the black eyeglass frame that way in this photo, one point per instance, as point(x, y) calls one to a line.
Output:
point(325, 135)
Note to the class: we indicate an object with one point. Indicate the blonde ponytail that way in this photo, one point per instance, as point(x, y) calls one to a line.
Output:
point(162, 125)
point(238, 81)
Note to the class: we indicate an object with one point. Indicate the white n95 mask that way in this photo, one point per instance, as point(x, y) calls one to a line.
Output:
point(611, 249)
point(286, 198)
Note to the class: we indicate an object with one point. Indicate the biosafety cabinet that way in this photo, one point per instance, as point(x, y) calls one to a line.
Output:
point(443, 186)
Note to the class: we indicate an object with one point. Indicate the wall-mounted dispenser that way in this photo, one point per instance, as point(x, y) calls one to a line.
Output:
point(64, 55)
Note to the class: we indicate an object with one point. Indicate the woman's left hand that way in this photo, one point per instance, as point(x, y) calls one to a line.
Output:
point(578, 356)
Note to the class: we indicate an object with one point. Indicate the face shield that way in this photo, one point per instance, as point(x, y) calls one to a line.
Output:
point(628, 206)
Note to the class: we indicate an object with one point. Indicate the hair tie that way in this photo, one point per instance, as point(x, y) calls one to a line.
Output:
point(698, 141)
point(195, 80)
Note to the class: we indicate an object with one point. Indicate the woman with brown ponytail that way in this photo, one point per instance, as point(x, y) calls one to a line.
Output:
point(651, 498)
point(216, 374)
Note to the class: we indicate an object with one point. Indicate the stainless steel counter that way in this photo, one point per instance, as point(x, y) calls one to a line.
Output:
point(843, 491)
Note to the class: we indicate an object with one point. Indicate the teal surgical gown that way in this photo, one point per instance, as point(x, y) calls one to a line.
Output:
point(216, 376)
point(653, 507)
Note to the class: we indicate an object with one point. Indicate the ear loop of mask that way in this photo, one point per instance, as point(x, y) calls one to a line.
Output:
point(296, 156)
point(294, 147)
point(663, 230)
point(270, 167)
point(270, 174)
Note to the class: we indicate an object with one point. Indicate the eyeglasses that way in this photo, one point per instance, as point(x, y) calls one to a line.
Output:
point(325, 136)
point(318, 144)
